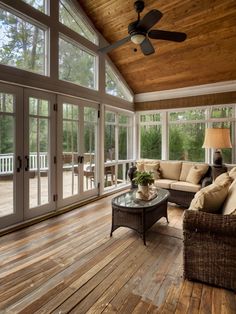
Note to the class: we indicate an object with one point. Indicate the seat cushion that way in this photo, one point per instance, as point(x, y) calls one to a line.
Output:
point(170, 169)
point(229, 205)
point(163, 183)
point(185, 186)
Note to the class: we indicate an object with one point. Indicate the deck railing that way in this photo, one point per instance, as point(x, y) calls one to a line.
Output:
point(7, 162)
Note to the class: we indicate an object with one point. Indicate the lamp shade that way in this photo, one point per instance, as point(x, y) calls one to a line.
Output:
point(217, 138)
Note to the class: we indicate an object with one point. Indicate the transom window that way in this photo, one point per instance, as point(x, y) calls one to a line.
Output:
point(41, 5)
point(114, 86)
point(77, 65)
point(70, 17)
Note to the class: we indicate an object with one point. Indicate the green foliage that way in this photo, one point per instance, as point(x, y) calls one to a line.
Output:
point(76, 65)
point(143, 178)
point(22, 44)
point(151, 142)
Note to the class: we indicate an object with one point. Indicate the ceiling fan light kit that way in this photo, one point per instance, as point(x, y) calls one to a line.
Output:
point(137, 38)
point(140, 31)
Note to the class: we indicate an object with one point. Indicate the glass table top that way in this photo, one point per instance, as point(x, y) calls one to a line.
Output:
point(129, 199)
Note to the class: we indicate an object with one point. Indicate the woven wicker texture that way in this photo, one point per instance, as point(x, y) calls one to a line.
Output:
point(210, 248)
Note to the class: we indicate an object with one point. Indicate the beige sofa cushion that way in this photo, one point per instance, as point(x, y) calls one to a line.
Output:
point(140, 165)
point(170, 169)
point(196, 173)
point(153, 167)
point(185, 186)
point(232, 173)
point(186, 166)
point(163, 183)
point(223, 179)
point(210, 199)
point(229, 205)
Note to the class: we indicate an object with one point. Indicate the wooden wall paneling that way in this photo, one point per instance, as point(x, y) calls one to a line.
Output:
point(194, 101)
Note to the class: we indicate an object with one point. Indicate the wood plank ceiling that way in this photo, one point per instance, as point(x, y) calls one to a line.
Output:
point(207, 56)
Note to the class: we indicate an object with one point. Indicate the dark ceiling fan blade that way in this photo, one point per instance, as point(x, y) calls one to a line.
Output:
point(150, 19)
point(147, 47)
point(115, 45)
point(167, 35)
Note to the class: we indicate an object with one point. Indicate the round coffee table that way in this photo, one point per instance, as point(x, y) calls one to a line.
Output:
point(128, 211)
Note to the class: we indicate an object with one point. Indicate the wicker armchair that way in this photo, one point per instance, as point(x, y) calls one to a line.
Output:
point(210, 248)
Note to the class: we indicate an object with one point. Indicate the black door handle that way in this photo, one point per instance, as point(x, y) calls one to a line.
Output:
point(19, 164)
point(27, 163)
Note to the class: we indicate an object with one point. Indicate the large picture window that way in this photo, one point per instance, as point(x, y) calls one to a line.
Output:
point(77, 65)
point(179, 135)
point(22, 44)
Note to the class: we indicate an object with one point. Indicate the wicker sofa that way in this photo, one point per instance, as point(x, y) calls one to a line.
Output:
point(173, 176)
point(210, 244)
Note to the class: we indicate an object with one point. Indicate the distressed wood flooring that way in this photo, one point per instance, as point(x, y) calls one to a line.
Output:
point(69, 264)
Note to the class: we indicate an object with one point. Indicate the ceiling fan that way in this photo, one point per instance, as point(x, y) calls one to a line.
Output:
point(139, 31)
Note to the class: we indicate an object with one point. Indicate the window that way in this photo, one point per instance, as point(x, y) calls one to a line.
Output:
point(150, 136)
point(114, 86)
point(69, 16)
point(180, 134)
point(186, 135)
point(117, 147)
point(40, 5)
point(77, 65)
point(185, 141)
point(22, 44)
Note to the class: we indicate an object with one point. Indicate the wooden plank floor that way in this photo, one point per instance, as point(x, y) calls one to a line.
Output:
point(69, 264)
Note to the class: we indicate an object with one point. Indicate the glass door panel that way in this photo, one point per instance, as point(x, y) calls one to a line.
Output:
point(11, 177)
point(7, 153)
point(39, 152)
point(70, 116)
point(90, 148)
point(77, 146)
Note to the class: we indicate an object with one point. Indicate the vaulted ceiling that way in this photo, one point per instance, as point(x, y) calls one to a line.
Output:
point(207, 56)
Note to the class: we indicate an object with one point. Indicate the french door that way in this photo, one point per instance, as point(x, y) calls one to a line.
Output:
point(77, 150)
point(39, 153)
point(27, 151)
point(11, 155)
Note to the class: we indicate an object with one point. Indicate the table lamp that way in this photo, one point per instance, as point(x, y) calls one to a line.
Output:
point(217, 138)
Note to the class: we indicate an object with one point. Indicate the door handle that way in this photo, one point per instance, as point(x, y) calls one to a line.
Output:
point(80, 159)
point(19, 164)
point(27, 163)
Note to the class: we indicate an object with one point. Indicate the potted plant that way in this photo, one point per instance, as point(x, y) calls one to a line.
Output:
point(143, 179)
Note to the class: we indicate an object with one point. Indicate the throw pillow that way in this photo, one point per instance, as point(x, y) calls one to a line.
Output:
point(223, 179)
point(210, 198)
point(195, 174)
point(140, 165)
point(232, 173)
point(153, 167)
point(230, 201)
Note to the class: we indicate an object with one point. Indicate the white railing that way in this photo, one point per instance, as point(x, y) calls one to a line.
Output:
point(7, 162)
